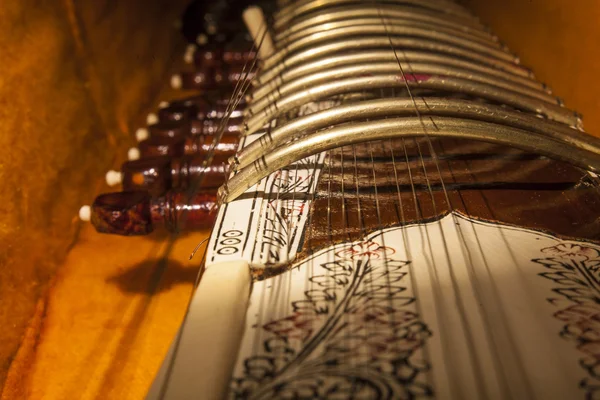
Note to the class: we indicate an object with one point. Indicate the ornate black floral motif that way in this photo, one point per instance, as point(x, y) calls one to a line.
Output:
point(368, 249)
point(575, 270)
point(358, 342)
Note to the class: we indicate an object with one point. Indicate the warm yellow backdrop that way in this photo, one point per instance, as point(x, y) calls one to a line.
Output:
point(559, 40)
point(75, 77)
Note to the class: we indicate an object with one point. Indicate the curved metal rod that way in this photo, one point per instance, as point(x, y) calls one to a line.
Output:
point(294, 10)
point(389, 21)
point(263, 87)
point(302, 6)
point(385, 31)
point(378, 82)
point(394, 107)
point(392, 128)
point(388, 10)
point(343, 46)
point(390, 67)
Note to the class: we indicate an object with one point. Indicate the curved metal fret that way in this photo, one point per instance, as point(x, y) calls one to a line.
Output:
point(391, 107)
point(383, 42)
point(394, 31)
point(391, 67)
point(406, 127)
point(266, 83)
point(390, 10)
point(394, 21)
point(294, 10)
point(378, 82)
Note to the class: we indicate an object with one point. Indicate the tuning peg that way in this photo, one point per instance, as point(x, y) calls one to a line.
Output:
point(113, 178)
point(170, 129)
point(133, 213)
point(159, 174)
point(179, 146)
point(178, 112)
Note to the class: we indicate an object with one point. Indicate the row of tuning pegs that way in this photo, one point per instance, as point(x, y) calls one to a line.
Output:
point(171, 177)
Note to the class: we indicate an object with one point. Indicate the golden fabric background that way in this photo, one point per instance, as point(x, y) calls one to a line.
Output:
point(74, 80)
point(559, 40)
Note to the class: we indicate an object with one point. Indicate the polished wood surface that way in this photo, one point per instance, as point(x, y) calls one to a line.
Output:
point(361, 190)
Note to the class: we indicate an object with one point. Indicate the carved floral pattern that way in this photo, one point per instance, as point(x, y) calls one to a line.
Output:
point(574, 269)
point(355, 334)
point(368, 248)
point(571, 251)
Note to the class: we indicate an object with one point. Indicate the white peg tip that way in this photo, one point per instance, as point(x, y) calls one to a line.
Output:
point(151, 119)
point(163, 104)
point(141, 134)
point(113, 178)
point(202, 39)
point(176, 82)
point(133, 154)
point(190, 50)
point(85, 213)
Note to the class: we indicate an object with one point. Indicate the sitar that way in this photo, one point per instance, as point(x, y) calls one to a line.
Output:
point(409, 213)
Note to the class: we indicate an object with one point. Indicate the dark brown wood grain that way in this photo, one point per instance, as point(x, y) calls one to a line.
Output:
point(381, 184)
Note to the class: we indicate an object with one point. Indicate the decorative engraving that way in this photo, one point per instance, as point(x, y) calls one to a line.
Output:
point(355, 334)
point(575, 268)
point(405, 313)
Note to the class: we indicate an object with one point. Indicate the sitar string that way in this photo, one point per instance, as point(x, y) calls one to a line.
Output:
point(346, 227)
point(363, 261)
point(272, 207)
point(472, 275)
point(527, 384)
point(432, 268)
point(503, 380)
point(240, 88)
point(235, 98)
point(495, 348)
point(281, 212)
point(406, 239)
point(392, 310)
point(459, 303)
